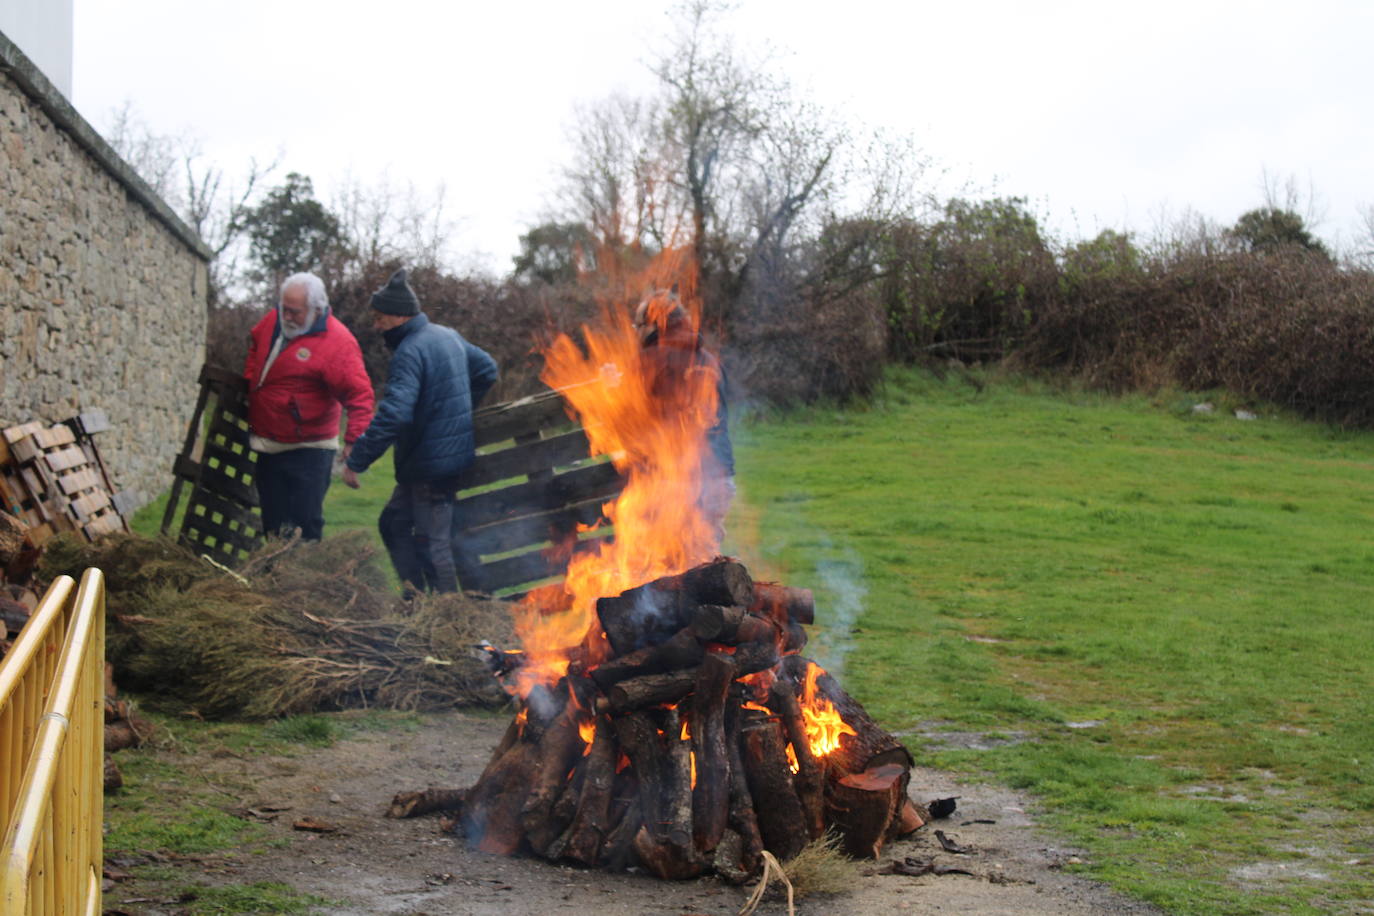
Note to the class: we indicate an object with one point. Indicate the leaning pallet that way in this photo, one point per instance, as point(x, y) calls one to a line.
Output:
point(520, 510)
point(219, 517)
point(527, 501)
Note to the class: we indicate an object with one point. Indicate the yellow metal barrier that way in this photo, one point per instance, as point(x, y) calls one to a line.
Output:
point(51, 779)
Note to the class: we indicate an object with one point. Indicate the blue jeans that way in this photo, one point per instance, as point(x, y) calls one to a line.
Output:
point(291, 487)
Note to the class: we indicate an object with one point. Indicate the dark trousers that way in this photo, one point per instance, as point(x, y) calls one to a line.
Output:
point(291, 488)
point(417, 528)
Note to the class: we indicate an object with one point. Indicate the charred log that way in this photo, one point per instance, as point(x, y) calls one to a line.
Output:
point(650, 690)
point(711, 796)
point(591, 823)
point(785, 603)
point(714, 623)
point(781, 820)
point(682, 650)
point(872, 746)
point(810, 778)
point(559, 749)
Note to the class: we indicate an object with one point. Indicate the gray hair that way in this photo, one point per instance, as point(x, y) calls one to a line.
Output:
point(315, 299)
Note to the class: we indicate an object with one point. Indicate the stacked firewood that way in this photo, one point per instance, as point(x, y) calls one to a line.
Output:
point(689, 749)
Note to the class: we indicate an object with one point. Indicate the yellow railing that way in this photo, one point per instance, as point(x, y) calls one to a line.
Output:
point(51, 754)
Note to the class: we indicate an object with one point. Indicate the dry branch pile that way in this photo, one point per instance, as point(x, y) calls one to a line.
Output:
point(299, 627)
point(702, 741)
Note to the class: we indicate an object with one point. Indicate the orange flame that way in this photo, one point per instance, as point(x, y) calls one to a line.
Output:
point(648, 409)
point(792, 763)
point(587, 730)
point(824, 726)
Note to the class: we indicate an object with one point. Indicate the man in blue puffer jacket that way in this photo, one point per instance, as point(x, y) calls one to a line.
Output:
point(435, 380)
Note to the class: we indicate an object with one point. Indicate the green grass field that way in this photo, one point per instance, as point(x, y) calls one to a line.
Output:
point(1158, 622)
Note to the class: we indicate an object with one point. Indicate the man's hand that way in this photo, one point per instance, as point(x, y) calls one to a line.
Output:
point(350, 477)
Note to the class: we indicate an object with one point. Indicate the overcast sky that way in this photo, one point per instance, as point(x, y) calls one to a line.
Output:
point(1103, 114)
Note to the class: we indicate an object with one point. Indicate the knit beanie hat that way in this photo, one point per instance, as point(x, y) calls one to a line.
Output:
point(396, 298)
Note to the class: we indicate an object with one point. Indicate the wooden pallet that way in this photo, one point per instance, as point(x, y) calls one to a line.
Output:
point(220, 517)
point(530, 486)
point(54, 479)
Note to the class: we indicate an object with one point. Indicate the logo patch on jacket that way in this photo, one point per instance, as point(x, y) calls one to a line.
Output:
point(302, 354)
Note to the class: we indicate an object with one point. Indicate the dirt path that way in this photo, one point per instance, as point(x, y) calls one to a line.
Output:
point(376, 865)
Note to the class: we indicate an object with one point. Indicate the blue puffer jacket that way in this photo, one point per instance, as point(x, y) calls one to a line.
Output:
point(435, 380)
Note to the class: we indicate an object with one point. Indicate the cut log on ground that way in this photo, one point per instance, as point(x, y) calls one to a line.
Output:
point(863, 805)
point(426, 801)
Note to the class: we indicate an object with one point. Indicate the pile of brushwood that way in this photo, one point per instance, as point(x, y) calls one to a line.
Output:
point(299, 627)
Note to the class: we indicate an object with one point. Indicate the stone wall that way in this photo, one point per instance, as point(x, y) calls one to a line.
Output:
point(102, 289)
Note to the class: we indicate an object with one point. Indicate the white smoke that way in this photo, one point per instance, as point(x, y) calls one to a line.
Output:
point(840, 571)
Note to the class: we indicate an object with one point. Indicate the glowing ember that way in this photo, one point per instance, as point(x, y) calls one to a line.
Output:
point(587, 730)
point(752, 705)
point(823, 723)
point(792, 763)
point(649, 410)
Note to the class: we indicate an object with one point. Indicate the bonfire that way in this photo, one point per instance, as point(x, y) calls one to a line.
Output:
point(666, 717)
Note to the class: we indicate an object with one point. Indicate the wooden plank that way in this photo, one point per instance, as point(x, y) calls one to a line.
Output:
point(596, 481)
point(527, 567)
point(78, 480)
point(54, 436)
point(523, 460)
point(505, 421)
point(222, 378)
point(179, 481)
point(14, 433)
point(26, 449)
point(87, 507)
point(105, 524)
point(66, 458)
point(36, 492)
point(528, 530)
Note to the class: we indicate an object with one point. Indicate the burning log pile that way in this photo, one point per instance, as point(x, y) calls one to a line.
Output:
point(703, 739)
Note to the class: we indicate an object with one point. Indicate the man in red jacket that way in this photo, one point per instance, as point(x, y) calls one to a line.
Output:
point(303, 365)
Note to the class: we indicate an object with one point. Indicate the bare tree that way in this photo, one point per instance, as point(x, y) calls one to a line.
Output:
point(724, 158)
point(212, 204)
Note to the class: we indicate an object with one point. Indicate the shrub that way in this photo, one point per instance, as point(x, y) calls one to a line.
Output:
point(968, 286)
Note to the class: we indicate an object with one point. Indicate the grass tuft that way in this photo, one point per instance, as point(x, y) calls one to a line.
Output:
point(822, 868)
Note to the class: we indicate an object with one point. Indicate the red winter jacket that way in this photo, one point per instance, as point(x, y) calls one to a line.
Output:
point(314, 373)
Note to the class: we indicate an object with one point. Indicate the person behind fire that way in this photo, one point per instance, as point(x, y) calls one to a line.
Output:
point(435, 381)
point(665, 328)
point(303, 366)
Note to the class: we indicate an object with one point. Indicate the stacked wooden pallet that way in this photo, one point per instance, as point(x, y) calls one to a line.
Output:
point(53, 479)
